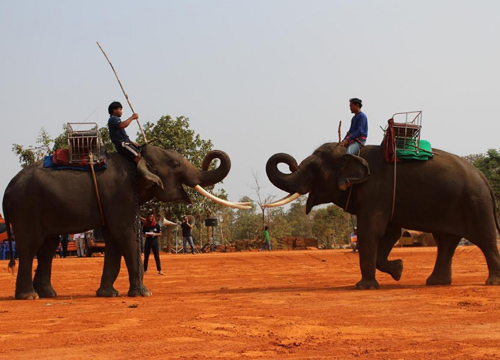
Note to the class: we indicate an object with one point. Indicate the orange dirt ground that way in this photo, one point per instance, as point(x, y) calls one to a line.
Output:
point(252, 305)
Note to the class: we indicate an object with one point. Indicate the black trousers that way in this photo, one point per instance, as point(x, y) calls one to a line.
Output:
point(64, 245)
point(152, 243)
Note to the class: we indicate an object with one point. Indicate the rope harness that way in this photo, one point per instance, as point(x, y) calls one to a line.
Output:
point(135, 211)
point(91, 157)
point(350, 188)
point(137, 226)
point(394, 185)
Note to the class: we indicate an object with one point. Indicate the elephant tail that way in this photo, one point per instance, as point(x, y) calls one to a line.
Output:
point(495, 213)
point(12, 261)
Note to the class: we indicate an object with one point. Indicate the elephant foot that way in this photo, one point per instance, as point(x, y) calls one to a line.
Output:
point(30, 295)
point(107, 292)
point(45, 291)
point(367, 284)
point(493, 280)
point(142, 291)
point(438, 280)
point(396, 269)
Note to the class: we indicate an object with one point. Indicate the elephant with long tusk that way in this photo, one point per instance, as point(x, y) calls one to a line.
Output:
point(42, 203)
point(445, 195)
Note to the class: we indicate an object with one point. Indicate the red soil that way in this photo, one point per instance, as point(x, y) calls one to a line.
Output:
point(252, 305)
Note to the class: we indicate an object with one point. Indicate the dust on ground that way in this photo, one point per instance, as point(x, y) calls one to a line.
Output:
point(253, 305)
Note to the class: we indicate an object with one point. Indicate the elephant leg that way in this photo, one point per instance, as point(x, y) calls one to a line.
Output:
point(24, 282)
point(386, 243)
point(111, 269)
point(446, 244)
point(132, 255)
point(487, 242)
point(43, 272)
point(368, 240)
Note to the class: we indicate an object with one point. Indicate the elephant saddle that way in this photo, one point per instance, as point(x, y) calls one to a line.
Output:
point(59, 160)
point(404, 145)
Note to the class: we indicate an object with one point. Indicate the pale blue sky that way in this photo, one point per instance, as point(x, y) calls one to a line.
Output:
point(255, 77)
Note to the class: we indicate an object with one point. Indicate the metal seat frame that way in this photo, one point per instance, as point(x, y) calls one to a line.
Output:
point(83, 142)
point(409, 129)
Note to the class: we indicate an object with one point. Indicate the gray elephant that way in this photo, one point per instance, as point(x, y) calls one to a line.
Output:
point(446, 196)
point(42, 203)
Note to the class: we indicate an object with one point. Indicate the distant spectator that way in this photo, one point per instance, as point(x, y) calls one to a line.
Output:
point(354, 239)
point(64, 245)
point(186, 235)
point(80, 244)
point(151, 230)
point(267, 239)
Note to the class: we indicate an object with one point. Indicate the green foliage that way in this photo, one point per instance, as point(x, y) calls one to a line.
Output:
point(45, 145)
point(489, 165)
point(106, 140)
point(31, 154)
point(300, 224)
point(61, 142)
point(247, 223)
point(175, 134)
point(331, 226)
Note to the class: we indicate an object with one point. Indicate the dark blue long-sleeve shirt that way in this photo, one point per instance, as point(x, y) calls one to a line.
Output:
point(359, 127)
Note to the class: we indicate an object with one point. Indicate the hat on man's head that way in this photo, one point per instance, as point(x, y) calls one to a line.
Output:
point(356, 101)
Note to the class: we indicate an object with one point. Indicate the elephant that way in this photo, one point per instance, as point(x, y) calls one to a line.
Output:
point(446, 196)
point(42, 203)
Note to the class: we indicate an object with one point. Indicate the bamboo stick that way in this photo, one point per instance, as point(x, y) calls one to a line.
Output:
point(123, 90)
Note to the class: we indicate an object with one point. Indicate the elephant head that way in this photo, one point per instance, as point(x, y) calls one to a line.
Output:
point(325, 175)
point(169, 171)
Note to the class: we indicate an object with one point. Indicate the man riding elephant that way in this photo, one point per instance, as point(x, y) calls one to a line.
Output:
point(39, 202)
point(446, 196)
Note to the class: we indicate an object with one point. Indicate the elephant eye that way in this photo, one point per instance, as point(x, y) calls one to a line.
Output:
point(176, 164)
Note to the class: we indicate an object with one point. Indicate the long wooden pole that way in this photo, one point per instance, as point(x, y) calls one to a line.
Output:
point(123, 90)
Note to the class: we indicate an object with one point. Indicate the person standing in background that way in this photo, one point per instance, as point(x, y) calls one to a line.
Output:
point(267, 239)
point(186, 235)
point(80, 244)
point(151, 230)
point(64, 245)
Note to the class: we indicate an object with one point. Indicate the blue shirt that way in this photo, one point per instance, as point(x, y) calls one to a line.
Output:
point(359, 127)
point(116, 134)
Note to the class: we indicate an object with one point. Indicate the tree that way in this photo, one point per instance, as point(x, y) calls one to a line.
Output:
point(489, 165)
point(247, 223)
point(278, 223)
point(175, 134)
point(299, 223)
point(45, 145)
point(261, 199)
point(331, 226)
point(32, 154)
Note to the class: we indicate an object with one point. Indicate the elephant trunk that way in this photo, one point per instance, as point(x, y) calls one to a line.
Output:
point(211, 177)
point(295, 182)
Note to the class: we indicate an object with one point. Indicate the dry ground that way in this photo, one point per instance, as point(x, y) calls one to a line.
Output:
point(278, 305)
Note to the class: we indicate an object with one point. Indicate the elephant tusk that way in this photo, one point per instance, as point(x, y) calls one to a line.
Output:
point(241, 206)
point(287, 199)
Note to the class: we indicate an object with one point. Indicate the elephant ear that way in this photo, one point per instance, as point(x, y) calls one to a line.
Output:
point(352, 170)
